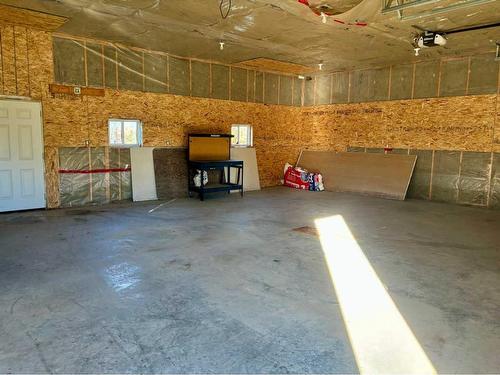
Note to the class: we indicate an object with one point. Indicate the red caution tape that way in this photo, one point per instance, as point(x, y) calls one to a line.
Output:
point(88, 171)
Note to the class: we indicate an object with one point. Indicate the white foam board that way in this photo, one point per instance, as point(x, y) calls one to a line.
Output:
point(250, 168)
point(143, 174)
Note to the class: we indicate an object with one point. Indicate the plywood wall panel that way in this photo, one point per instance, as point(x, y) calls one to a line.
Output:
point(464, 123)
point(51, 159)
point(65, 122)
point(41, 66)
point(1, 65)
point(22, 64)
point(8, 60)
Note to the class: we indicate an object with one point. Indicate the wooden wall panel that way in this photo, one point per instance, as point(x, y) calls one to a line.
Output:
point(8, 60)
point(22, 63)
point(459, 123)
point(51, 158)
point(41, 66)
point(26, 66)
point(28, 18)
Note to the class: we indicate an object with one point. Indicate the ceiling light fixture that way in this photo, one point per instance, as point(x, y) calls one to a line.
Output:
point(221, 45)
point(320, 65)
point(323, 17)
point(301, 77)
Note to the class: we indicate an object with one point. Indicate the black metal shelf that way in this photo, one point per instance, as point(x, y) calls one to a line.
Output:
point(223, 185)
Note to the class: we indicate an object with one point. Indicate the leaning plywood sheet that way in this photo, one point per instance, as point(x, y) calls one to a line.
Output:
point(143, 174)
point(250, 170)
point(171, 172)
point(381, 175)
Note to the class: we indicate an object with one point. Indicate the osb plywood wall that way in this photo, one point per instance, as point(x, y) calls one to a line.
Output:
point(26, 61)
point(467, 123)
point(167, 119)
point(459, 123)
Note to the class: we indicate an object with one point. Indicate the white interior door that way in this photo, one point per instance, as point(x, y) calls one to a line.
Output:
point(21, 156)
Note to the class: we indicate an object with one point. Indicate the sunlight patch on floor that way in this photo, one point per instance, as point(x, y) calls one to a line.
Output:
point(381, 339)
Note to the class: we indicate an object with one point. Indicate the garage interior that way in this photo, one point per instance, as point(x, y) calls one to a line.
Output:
point(108, 264)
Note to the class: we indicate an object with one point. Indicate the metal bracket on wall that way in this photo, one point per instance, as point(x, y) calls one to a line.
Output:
point(497, 56)
point(399, 6)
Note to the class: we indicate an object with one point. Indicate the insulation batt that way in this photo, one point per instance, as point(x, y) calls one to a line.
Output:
point(299, 178)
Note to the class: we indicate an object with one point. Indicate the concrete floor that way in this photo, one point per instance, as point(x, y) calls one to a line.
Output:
point(226, 285)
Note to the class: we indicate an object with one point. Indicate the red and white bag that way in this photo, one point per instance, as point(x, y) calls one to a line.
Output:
point(298, 178)
point(294, 178)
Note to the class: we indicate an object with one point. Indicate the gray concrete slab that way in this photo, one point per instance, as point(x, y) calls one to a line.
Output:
point(227, 286)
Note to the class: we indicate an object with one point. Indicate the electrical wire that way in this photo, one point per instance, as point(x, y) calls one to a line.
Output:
point(221, 5)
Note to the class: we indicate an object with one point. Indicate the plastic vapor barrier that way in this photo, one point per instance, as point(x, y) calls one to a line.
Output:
point(93, 175)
